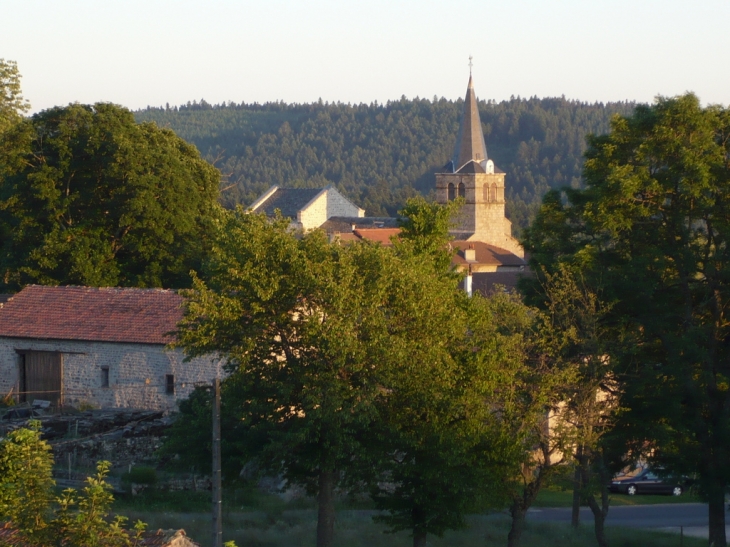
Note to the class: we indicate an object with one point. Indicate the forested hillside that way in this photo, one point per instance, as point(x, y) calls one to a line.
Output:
point(379, 155)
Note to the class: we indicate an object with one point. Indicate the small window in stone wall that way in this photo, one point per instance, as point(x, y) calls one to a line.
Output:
point(170, 384)
point(104, 376)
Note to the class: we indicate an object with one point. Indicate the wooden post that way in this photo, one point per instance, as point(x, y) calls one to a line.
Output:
point(217, 501)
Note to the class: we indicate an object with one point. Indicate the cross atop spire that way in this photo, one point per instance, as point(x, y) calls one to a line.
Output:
point(470, 65)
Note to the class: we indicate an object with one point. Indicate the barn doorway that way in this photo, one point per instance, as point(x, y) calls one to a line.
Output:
point(41, 377)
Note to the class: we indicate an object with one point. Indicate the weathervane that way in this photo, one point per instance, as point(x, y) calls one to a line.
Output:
point(470, 64)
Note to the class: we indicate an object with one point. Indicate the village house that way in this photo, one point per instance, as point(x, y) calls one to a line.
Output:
point(97, 347)
point(308, 208)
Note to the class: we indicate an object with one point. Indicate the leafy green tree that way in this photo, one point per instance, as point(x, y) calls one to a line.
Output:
point(543, 380)
point(82, 517)
point(28, 502)
point(288, 313)
point(90, 197)
point(589, 403)
point(425, 226)
point(339, 352)
point(445, 445)
point(651, 229)
point(26, 483)
point(12, 104)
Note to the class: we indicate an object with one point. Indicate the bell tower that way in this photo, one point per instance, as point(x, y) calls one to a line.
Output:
point(471, 175)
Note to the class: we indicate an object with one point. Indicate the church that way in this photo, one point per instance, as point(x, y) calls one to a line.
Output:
point(483, 245)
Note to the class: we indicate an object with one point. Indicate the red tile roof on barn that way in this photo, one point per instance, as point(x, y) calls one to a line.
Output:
point(110, 314)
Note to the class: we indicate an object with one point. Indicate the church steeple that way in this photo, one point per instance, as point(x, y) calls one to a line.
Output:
point(470, 145)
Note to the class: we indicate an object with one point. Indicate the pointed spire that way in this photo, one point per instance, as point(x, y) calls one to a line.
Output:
point(470, 145)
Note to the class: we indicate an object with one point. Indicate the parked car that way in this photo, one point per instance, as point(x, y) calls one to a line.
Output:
point(646, 482)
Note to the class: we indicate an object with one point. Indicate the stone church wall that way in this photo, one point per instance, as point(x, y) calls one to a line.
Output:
point(137, 373)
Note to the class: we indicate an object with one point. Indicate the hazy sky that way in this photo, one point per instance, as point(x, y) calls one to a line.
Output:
point(151, 52)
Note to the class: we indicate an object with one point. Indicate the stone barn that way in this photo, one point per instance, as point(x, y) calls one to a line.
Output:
point(96, 347)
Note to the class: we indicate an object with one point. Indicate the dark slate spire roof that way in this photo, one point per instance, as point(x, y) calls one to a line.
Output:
point(470, 145)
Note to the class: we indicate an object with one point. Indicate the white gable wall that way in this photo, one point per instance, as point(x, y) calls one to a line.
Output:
point(314, 213)
point(339, 206)
point(137, 372)
point(327, 204)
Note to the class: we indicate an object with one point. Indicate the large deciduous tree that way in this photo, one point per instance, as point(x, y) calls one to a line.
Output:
point(12, 104)
point(652, 228)
point(90, 197)
point(337, 353)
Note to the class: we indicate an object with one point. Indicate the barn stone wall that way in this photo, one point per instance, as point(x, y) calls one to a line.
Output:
point(137, 372)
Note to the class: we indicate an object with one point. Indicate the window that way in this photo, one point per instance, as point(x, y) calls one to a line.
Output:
point(104, 376)
point(452, 193)
point(170, 384)
point(485, 190)
point(494, 193)
point(462, 190)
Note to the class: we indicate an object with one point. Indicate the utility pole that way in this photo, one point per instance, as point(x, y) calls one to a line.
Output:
point(217, 491)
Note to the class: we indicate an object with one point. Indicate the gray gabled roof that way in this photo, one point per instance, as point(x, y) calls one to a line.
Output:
point(288, 200)
point(470, 145)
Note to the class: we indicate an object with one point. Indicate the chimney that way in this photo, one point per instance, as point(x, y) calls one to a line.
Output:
point(468, 283)
point(470, 254)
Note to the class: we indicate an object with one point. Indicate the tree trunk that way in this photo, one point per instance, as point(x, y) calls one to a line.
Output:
point(599, 519)
point(717, 519)
point(419, 538)
point(577, 486)
point(326, 509)
point(518, 512)
point(599, 512)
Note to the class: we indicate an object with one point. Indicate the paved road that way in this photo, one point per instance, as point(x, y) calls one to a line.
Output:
point(635, 516)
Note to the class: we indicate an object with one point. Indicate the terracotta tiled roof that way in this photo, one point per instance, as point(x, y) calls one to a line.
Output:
point(485, 254)
point(144, 316)
point(381, 235)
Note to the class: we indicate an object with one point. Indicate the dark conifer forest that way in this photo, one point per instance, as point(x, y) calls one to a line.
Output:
point(381, 154)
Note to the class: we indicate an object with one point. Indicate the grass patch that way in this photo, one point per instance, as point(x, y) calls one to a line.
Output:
point(554, 497)
point(354, 528)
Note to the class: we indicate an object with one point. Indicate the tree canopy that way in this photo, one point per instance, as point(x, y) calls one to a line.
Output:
point(349, 363)
point(90, 197)
point(12, 104)
point(651, 230)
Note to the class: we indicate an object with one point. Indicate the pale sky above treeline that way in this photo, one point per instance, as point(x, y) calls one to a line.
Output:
point(151, 52)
